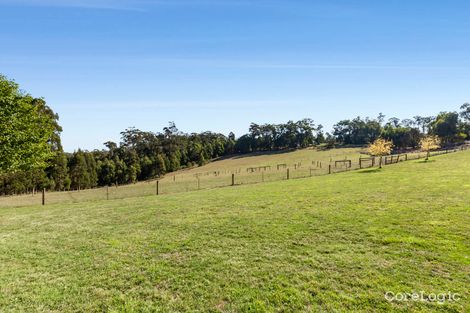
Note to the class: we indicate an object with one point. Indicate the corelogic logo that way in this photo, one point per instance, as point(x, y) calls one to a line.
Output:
point(422, 296)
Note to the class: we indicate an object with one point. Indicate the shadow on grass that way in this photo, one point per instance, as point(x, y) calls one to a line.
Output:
point(254, 154)
point(424, 161)
point(370, 170)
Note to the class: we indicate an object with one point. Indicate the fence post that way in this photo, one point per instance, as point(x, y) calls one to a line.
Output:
point(287, 173)
point(310, 172)
point(44, 196)
point(262, 177)
point(156, 187)
point(198, 184)
point(329, 169)
point(107, 192)
point(233, 179)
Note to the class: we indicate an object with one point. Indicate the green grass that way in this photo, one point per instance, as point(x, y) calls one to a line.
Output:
point(299, 163)
point(327, 243)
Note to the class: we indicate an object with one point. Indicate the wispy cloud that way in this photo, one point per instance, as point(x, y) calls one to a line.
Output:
point(146, 61)
point(222, 104)
point(90, 4)
point(135, 5)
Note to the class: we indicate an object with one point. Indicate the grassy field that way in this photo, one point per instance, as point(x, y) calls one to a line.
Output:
point(333, 243)
point(211, 175)
point(248, 169)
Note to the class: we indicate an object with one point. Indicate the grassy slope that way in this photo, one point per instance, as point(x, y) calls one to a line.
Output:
point(278, 157)
point(185, 180)
point(333, 243)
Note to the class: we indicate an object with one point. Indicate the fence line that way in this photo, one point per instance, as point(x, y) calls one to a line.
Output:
point(222, 178)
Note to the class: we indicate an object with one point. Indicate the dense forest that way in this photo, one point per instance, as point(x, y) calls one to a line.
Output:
point(32, 157)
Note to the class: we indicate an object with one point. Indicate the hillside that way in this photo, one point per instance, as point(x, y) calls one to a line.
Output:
point(326, 243)
point(287, 157)
point(214, 174)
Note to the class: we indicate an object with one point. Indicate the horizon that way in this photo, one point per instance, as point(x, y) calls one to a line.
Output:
point(104, 66)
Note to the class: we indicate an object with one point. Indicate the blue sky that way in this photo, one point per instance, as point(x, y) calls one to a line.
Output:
point(107, 65)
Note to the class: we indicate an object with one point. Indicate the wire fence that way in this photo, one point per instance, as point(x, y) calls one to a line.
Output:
point(173, 184)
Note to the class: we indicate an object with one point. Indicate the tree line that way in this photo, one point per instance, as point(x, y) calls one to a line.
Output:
point(32, 157)
point(450, 127)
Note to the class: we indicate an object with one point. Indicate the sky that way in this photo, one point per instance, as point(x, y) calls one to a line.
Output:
point(106, 65)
